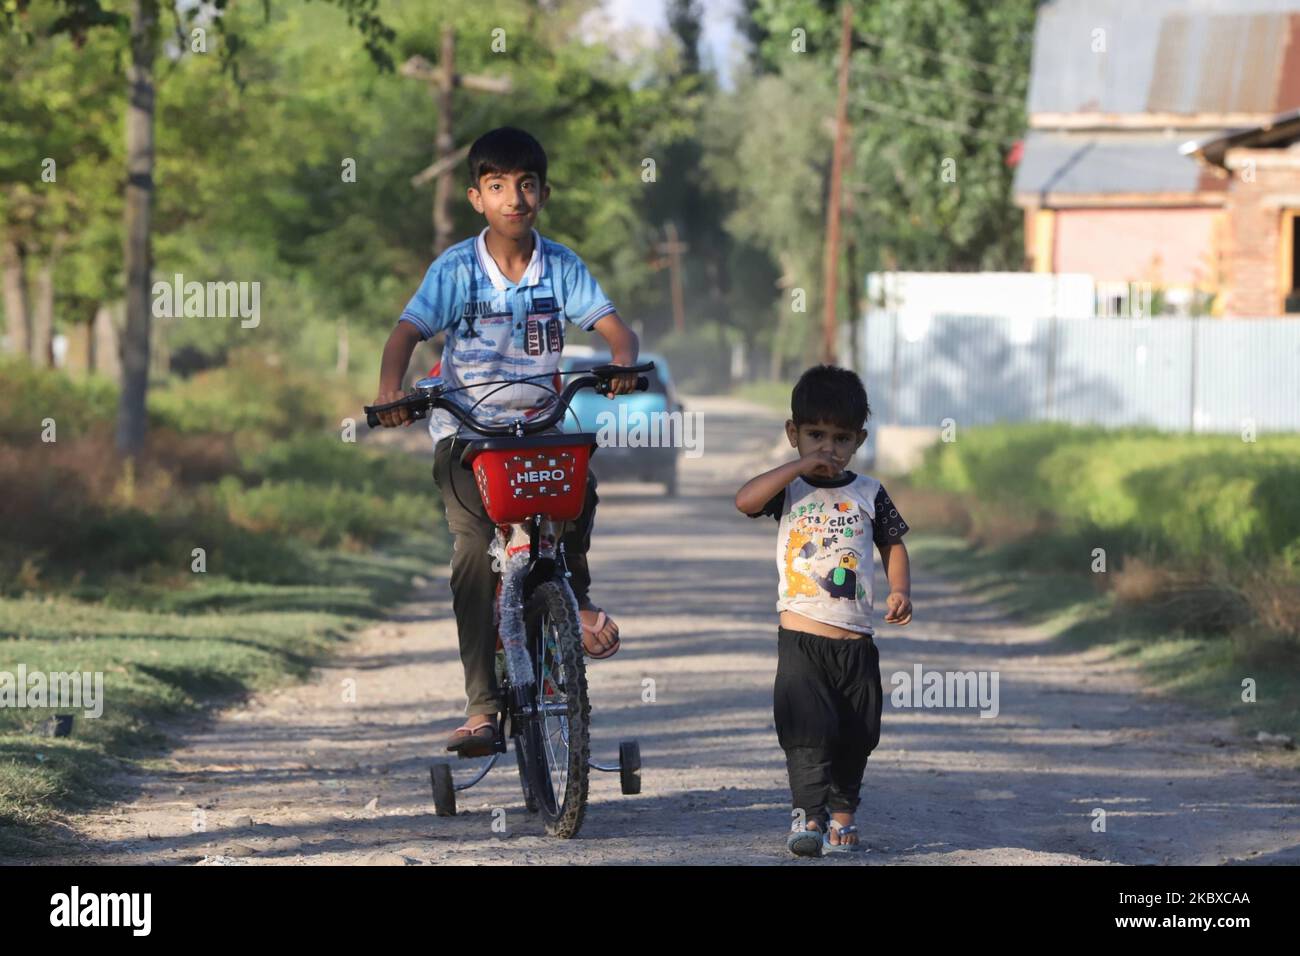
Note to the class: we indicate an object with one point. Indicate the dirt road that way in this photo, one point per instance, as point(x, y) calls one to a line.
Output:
point(304, 776)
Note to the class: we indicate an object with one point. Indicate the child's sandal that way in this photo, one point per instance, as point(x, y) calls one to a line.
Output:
point(805, 842)
point(843, 830)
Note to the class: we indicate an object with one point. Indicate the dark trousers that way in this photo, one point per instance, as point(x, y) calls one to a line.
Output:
point(827, 699)
point(474, 583)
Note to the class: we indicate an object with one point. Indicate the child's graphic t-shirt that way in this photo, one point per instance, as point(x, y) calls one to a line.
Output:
point(823, 546)
point(500, 330)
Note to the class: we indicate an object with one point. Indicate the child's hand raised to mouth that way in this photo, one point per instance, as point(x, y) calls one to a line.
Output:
point(820, 463)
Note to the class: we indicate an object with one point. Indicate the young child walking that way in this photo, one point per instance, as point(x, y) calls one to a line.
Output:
point(827, 696)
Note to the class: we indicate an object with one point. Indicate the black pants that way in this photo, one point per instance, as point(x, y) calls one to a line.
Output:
point(827, 699)
point(474, 583)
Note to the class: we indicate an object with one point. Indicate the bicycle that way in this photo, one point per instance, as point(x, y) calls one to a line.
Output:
point(531, 485)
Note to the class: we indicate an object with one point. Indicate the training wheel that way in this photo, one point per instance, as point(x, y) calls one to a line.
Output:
point(629, 766)
point(444, 790)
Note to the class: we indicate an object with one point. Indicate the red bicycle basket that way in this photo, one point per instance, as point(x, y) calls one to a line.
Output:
point(534, 475)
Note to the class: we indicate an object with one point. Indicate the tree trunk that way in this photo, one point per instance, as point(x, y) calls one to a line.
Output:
point(139, 206)
point(18, 322)
point(443, 223)
point(160, 351)
point(77, 363)
point(43, 314)
point(106, 349)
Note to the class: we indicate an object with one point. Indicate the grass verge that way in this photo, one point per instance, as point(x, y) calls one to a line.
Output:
point(167, 653)
point(1205, 670)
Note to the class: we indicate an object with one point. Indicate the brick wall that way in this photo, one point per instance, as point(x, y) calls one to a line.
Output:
point(1257, 198)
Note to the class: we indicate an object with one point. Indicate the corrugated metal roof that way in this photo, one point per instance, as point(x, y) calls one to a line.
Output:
point(1107, 163)
point(1166, 56)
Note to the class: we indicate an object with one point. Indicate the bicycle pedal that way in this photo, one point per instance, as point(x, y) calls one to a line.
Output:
point(480, 755)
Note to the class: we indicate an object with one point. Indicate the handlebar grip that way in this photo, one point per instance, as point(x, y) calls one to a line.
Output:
point(414, 414)
point(642, 385)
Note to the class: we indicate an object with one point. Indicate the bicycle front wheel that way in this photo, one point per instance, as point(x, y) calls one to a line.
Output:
point(556, 739)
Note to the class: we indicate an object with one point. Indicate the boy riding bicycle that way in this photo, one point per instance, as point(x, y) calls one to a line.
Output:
point(502, 298)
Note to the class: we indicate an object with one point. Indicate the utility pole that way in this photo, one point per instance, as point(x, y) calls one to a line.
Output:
point(830, 294)
point(673, 249)
point(443, 81)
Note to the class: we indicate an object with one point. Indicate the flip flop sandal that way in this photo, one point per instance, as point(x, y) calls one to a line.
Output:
point(829, 847)
point(593, 629)
point(471, 741)
point(804, 843)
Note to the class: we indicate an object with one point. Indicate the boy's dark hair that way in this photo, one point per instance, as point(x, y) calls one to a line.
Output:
point(506, 150)
point(830, 394)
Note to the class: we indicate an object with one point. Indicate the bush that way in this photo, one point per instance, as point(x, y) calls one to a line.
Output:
point(66, 504)
point(1176, 496)
point(327, 516)
point(325, 460)
point(28, 395)
point(255, 393)
point(75, 513)
point(192, 458)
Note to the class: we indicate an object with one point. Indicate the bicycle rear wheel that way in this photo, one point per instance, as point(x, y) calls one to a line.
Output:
point(556, 739)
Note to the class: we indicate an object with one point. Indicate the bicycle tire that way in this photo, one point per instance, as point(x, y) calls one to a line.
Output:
point(554, 633)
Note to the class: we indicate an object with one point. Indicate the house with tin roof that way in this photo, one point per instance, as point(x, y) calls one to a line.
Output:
point(1161, 152)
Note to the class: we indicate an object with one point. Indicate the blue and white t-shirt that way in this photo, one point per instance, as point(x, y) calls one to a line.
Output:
point(497, 329)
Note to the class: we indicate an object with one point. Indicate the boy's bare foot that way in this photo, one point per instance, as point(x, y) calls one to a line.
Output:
point(599, 632)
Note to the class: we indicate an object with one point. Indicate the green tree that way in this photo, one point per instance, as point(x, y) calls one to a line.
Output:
point(770, 155)
point(936, 103)
point(140, 24)
point(58, 178)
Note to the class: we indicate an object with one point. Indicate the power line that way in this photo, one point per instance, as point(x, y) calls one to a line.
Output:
point(930, 121)
point(988, 68)
point(910, 79)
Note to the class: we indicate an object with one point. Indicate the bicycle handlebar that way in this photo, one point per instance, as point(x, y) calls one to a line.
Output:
point(421, 400)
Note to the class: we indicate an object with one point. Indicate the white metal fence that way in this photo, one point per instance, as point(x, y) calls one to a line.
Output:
point(1177, 374)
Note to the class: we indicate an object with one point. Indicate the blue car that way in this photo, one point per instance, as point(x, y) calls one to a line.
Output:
point(639, 442)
